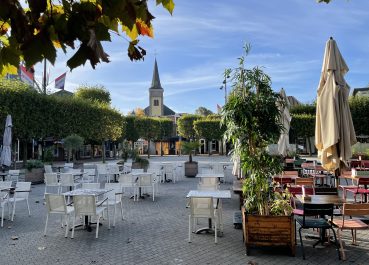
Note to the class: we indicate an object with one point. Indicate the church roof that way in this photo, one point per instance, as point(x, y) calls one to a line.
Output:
point(167, 111)
point(155, 83)
point(63, 93)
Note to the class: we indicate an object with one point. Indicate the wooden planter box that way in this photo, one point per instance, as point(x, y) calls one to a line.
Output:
point(36, 175)
point(259, 230)
point(191, 169)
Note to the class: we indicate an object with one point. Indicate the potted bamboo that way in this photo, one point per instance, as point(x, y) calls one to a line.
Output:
point(253, 121)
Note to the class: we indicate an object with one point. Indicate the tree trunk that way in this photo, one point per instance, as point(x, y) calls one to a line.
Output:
point(103, 151)
point(309, 145)
point(24, 153)
point(161, 148)
point(209, 147)
point(148, 148)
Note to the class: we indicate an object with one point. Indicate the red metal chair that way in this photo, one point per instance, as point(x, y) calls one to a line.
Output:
point(359, 189)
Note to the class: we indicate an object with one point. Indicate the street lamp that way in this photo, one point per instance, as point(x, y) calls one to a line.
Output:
point(227, 73)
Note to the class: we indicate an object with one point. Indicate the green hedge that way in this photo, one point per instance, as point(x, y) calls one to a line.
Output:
point(37, 116)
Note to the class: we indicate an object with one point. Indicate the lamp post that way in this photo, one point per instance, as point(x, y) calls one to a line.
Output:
point(226, 75)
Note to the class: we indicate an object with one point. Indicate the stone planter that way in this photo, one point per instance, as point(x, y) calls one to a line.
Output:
point(36, 175)
point(191, 169)
point(268, 230)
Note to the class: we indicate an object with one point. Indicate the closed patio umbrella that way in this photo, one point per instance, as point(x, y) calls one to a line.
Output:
point(334, 130)
point(5, 158)
point(283, 142)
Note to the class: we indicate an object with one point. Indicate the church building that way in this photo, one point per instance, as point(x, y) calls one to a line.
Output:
point(156, 98)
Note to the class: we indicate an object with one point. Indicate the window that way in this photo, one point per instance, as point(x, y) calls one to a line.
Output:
point(156, 102)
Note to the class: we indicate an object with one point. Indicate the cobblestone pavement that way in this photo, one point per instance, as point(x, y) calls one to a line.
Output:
point(151, 233)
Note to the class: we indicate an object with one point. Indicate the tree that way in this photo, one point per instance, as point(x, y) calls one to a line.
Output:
point(185, 126)
point(209, 129)
point(34, 30)
point(149, 129)
point(130, 132)
point(166, 131)
point(72, 143)
point(139, 112)
point(94, 93)
point(252, 119)
point(202, 111)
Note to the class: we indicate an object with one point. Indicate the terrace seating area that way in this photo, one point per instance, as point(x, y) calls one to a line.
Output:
point(139, 224)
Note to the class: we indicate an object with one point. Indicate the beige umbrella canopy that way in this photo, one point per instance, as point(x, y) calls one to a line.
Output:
point(334, 130)
point(283, 142)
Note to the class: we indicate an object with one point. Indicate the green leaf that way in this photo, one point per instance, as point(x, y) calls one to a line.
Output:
point(167, 4)
point(79, 58)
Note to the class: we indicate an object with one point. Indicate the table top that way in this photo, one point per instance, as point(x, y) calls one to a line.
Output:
point(210, 175)
point(322, 199)
point(221, 194)
point(95, 192)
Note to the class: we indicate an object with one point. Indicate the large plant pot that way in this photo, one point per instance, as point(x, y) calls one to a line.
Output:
point(138, 165)
point(191, 169)
point(268, 230)
point(35, 175)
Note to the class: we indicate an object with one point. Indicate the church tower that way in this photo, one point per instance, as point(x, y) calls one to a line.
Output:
point(156, 107)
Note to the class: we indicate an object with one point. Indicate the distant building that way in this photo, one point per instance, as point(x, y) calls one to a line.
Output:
point(364, 91)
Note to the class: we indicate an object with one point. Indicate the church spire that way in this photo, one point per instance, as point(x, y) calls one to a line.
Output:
point(155, 78)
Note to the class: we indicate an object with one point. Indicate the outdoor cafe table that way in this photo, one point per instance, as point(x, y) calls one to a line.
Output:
point(216, 194)
point(322, 199)
point(135, 176)
point(79, 192)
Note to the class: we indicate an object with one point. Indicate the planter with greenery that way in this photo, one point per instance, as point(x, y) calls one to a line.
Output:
point(253, 121)
point(34, 171)
point(191, 167)
point(140, 162)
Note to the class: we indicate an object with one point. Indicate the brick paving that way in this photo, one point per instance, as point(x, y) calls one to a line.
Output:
point(151, 233)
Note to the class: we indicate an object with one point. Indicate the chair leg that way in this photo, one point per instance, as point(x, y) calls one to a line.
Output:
point(107, 210)
point(73, 224)
point(153, 192)
point(216, 231)
point(302, 244)
point(97, 225)
point(13, 210)
point(336, 242)
point(121, 209)
point(2, 216)
point(67, 225)
point(189, 229)
point(342, 250)
point(115, 209)
point(47, 219)
point(29, 212)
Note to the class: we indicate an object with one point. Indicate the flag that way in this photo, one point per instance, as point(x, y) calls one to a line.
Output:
point(219, 108)
point(60, 81)
point(26, 76)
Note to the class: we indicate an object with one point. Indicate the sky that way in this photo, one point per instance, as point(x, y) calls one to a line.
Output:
point(201, 39)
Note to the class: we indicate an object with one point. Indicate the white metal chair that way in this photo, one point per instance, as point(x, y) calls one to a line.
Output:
point(112, 170)
point(144, 181)
point(85, 205)
point(51, 180)
point(88, 175)
point(115, 197)
point(48, 169)
point(13, 175)
point(127, 167)
point(89, 185)
point(202, 207)
point(55, 204)
point(67, 180)
point(21, 193)
point(169, 171)
point(3, 202)
point(127, 181)
point(68, 167)
point(208, 184)
point(102, 172)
